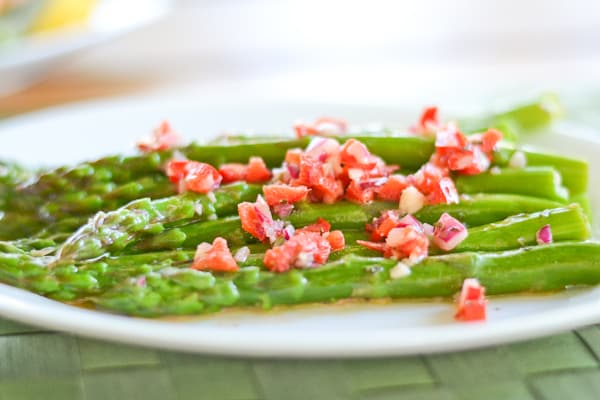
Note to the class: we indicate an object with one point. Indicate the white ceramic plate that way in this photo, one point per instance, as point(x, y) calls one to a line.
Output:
point(69, 134)
point(30, 59)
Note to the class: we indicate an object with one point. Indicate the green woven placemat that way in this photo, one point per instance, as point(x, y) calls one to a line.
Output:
point(36, 364)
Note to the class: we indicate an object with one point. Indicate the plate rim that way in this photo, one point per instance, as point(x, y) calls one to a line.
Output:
point(382, 342)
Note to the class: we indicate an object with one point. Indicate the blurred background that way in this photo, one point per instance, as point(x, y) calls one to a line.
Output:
point(375, 51)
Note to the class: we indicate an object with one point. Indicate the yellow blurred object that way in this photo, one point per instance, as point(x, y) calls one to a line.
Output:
point(60, 13)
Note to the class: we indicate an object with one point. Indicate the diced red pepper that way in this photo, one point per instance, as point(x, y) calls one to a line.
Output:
point(251, 222)
point(321, 226)
point(465, 155)
point(215, 257)
point(376, 246)
point(233, 172)
point(257, 220)
point(471, 302)
point(427, 177)
point(282, 193)
point(450, 138)
point(193, 175)
point(176, 170)
point(324, 126)
point(282, 258)
point(293, 156)
point(480, 163)
point(357, 194)
point(392, 188)
point(201, 177)
point(336, 240)
point(428, 121)
point(257, 171)
point(489, 140)
point(356, 154)
point(428, 116)
point(443, 192)
point(383, 225)
point(303, 250)
point(163, 138)
point(407, 242)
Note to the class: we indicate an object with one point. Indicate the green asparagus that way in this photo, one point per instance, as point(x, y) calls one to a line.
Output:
point(114, 233)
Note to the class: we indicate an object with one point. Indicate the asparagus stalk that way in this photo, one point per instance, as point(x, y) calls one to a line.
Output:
point(574, 172)
point(526, 117)
point(75, 279)
point(542, 182)
point(113, 231)
point(536, 269)
point(479, 209)
point(567, 223)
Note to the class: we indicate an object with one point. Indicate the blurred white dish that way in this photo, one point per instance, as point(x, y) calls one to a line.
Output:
point(68, 134)
point(31, 58)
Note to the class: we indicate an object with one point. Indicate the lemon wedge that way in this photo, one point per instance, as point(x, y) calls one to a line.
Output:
point(56, 14)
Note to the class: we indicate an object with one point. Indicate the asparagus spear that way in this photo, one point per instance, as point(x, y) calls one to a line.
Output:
point(526, 117)
point(574, 172)
point(477, 210)
point(70, 279)
point(538, 268)
point(113, 231)
point(541, 182)
point(567, 223)
point(124, 169)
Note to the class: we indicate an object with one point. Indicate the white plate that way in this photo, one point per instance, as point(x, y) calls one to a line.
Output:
point(69, 134)
point(30, 59)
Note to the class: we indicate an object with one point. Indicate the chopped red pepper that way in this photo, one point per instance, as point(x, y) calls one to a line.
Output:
point(193, 175)
point(281, 193)
point(383, 225)
point(337, 240)
point(303, 250)
point(257, 171)
point(233, 172)
point(443, 192)
point(407, 242)
point(471, 302)
point(356, 193)
point(375, 246)
point(257, 220)
point(176, 170)
point(392, 188)
point(404, 237)
point(201, 177)
point(428, 122)
point(215, 257)
point(489, 140)
point(324, 126)
point(465, 155)
point(321, 226)
point(163, 138)
point(307, 247)
point(356, 154)
point(317, 176)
